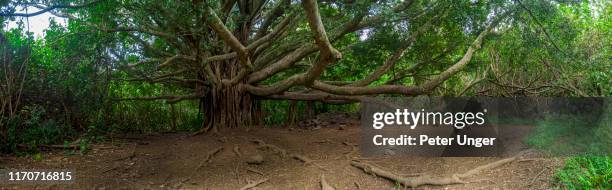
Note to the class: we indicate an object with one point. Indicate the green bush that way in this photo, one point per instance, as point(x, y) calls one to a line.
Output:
point(29, 129)
point(585, 172)
point(563, 135)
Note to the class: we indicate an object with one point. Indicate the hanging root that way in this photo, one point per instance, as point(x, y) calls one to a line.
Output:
point(428, 180)
point(284, 153)
point(254, 184)
point(325, 185)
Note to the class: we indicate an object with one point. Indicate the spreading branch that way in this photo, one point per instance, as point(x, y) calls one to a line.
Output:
point(44, 9)
point(217, 25)
point(170, 99)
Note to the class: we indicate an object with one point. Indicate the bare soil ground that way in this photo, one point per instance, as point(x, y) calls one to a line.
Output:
point(179, 161)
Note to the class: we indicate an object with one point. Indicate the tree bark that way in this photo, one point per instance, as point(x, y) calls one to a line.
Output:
point(310, 110)
point(291, 113)
point(228, 107)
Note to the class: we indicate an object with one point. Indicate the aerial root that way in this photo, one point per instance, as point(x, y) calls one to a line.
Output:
point(284, 153)
point(253, 184)
point(325, 185)
point(428, 180)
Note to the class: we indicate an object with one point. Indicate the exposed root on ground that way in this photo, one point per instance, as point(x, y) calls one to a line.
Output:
point(357, 185)
point(254, 184)
point(254, 171)
point(237, 151)
point(284, 153)
point(276, 149)
point(66, 146)
point(209, 157)
point(325, 141)
point(348, 154)
point(325, 185)
point(207, 160)
point(208, 128)
point(202, 131)
point(130, 156)
point(537, 176)
point(307, 161)
point(428, 180)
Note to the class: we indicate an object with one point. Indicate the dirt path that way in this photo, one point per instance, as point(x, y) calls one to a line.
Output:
point(172, 161)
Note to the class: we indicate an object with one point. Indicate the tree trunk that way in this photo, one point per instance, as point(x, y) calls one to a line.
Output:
point(228, 107)
point(310, 110)
point(291, 113)
point(173, 118)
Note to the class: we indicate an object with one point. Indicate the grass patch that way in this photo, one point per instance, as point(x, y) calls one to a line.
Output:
point(571, 135)
point(585, 172)
point(582, 136)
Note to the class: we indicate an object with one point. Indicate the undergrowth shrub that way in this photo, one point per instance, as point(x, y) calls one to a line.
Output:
point(585, 172)
point(30, 128)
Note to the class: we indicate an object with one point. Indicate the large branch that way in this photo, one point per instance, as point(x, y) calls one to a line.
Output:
point(541, 26)
point(263, 42)
point(393, 59)
point(412, 69)
point(413, 90)
point(327, 53)
point(277, 87)
point(126, 29)
point(380, 71)
point(357, 90)
point(47, 9)
point(217, 25)
point(316, 96)
point(300, 52)
point(173, 58)
point(281, 27)
point(377, 19)
point(467, 57)
point(276, 12)
point(284, 63)
point(170, 99)
point(220, 57)
point(316, 25)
